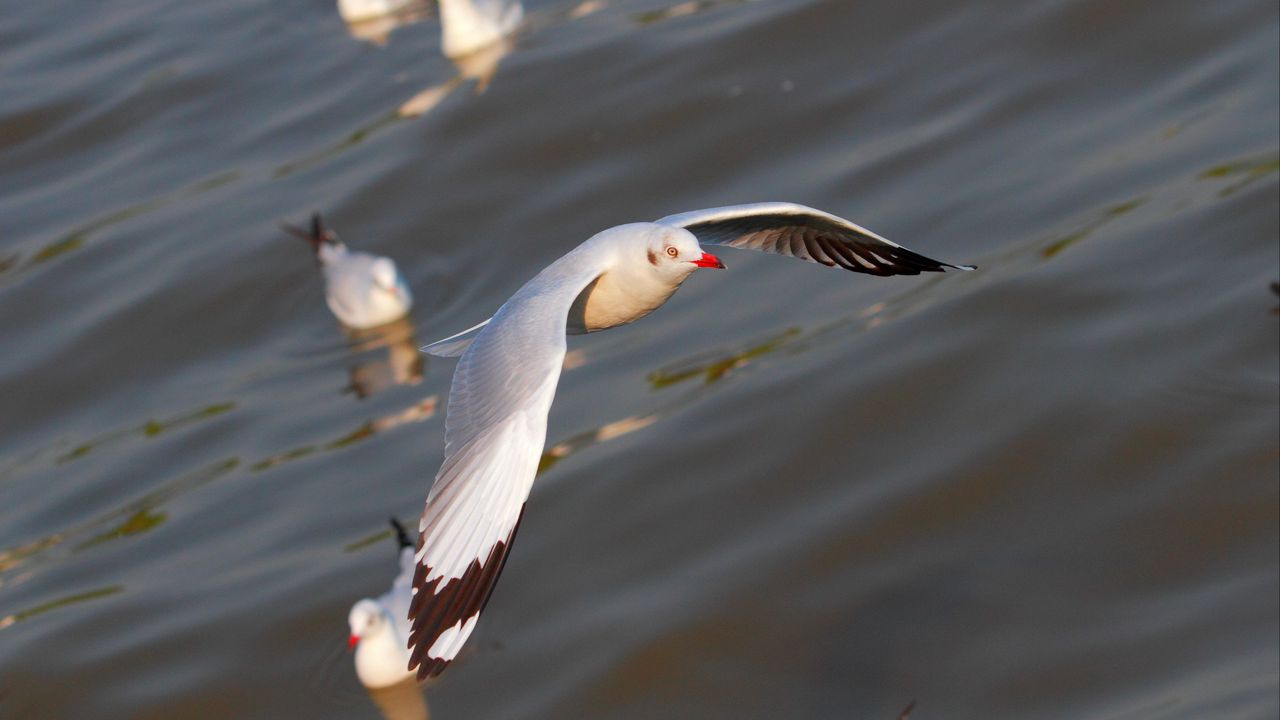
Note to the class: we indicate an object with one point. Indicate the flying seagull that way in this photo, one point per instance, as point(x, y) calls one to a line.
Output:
point(509, 366)
point(362, 290)
point(379, 627)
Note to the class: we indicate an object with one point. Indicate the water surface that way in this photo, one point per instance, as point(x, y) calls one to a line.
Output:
point(1046, 489)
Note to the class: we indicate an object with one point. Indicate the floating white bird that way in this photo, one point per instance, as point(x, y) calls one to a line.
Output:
point(379, 628)
point(469, 25)
point(359, 10)
point(363, 290)
point(506, 378)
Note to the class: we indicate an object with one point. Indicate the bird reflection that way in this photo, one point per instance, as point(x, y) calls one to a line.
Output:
point(475, 35)
point(604, 433)
point(373, 21)
point(403, 701)
point(403, 364)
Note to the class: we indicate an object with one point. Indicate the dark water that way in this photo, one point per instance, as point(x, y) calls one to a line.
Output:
point(1047, 489)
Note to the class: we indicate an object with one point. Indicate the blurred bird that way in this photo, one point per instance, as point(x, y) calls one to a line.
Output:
point(358, 10)
point(362, 290)
point(510, 365)
point(379, 628)
point(469, 25)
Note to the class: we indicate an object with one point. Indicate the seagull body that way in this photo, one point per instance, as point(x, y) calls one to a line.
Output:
point(358, 10)
point(362, 290)
point(379, 627)
point(469, 25)
point(510, 364)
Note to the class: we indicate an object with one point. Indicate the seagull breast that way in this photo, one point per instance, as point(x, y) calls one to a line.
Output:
point(615, 299)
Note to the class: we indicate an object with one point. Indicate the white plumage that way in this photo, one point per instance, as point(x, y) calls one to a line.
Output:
point(509, 367)
point(362, 290)
point(469, 25)
point(379, 627)
point(358, 10)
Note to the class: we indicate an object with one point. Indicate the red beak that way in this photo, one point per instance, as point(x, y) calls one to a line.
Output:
point(708, 261)
point(352, 642)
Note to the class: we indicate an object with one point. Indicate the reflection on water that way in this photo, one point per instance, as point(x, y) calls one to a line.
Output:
point(681, 10)
point(61, 602)
point(479, 65)
point(422, 410)
point(149, 429)
point(401, 702)
point(403, 364)
point(142, 520)
point(77, 237)
point(563, 449)
point(136, 517)
point(1242, 172)
point(714, 366)
point(352, 139)
point(1059, 244)
point(377, 29)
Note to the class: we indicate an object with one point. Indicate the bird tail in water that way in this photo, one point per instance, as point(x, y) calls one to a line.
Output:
point(317, 236)
point(401, 536)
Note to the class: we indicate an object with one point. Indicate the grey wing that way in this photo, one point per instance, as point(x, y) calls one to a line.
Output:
point(494, 434)
point(455, 344)
point(802, 232)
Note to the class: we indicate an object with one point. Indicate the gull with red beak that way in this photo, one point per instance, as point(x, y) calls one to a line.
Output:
point(380, 627)
point(510, 364)
point(362, 290)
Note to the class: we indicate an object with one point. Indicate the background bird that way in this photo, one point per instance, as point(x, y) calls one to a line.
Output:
point(361, 10)
point(379, 627)
point(469, 25)
point(510, 365)
point(362, 290)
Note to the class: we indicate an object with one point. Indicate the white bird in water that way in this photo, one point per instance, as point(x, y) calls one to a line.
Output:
point(362, 290)
point(360, 10)
point(379, 628)
point(469, 25)
point(509, 366)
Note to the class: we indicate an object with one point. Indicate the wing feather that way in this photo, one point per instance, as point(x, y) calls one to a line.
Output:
point(495, 429)
point(802, 232)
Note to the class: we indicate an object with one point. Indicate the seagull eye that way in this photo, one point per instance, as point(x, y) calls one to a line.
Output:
point(672, 252)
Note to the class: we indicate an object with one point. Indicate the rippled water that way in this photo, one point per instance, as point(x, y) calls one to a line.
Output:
point(1047, 489)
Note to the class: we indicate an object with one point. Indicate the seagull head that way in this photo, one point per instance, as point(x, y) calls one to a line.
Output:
point(366, 618)
point(673, 253)
point(386, 279)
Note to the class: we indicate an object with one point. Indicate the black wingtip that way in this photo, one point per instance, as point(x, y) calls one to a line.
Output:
point(316, 236)
point(402, 537)
point(431, 668)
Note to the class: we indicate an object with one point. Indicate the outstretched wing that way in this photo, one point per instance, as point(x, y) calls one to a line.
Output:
point(805, 233)
point(455, 344)
point(494, 434)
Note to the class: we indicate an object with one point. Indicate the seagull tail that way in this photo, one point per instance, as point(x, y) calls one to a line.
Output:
point(402, 537)
point(316, 236)
point(454, 345)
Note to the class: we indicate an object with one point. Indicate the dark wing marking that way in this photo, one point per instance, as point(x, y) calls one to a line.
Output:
point(435, 609)
point(808, 234)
